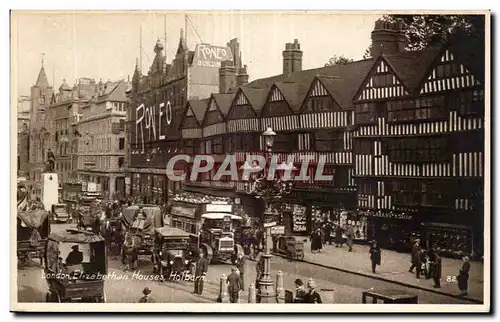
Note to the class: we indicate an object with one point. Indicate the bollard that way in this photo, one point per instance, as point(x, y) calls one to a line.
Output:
point(223, 297)
point(280, 289)
point(252, 295)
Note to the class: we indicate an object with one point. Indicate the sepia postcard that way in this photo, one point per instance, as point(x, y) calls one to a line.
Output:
point(239, 161)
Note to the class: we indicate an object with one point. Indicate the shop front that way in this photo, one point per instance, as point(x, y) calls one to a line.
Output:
point(152, 188)
point(453, 233)
point(391, 229)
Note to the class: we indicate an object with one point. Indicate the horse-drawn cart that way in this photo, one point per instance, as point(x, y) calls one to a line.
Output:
point(33, 228)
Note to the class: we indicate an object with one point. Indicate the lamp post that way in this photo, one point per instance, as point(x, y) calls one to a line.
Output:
point(267, 189)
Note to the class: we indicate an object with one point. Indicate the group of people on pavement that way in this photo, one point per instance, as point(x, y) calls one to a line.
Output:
point(429, 263)
point(331, 233)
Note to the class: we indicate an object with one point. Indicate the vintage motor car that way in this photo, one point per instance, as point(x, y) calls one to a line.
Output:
point(217, 236)
point(174, 251)
point(59, 213)
point(33, 228)
point(75, 266)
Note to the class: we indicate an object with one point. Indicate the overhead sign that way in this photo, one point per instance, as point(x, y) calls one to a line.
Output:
point(211, 56)
point(269, 224)
point(219, 208)
point(183, 212)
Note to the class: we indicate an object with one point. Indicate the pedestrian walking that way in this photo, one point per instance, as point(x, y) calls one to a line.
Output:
point(339, 240)
point(375, 255)
point(300, 292)
point(200, 273)
point(316, 243)
point(145, 296)
point(234, 288)
point(415, 252)
point(436, 270)
point(350, 237)
point(312, 296)
point(240, 264)
point(463, 276)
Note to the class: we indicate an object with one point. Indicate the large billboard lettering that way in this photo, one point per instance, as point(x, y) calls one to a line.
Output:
point(211, 56)
point(146, 121)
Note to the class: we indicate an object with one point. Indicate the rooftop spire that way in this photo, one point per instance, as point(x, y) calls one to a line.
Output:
point(42, 80)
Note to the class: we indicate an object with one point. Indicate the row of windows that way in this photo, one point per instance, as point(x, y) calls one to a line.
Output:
point(63, 166)
point(417, 143)
point(319, 104)
point(383, 80)
point(101, 162)
point(448, 70)
point(100, 144)
point(328, 141)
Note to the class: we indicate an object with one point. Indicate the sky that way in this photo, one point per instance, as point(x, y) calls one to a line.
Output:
point(105, 45)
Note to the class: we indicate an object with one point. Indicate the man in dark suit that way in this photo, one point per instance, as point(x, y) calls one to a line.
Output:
point(75, 257)
point(234, 288)
point(240, 264)
point(200, 273)
point(415, 256)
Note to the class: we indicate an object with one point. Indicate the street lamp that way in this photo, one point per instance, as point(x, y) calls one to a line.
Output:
point(268, 189)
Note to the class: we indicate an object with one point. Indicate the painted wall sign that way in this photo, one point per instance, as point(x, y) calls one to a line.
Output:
point(149, 122)
point(211, 56)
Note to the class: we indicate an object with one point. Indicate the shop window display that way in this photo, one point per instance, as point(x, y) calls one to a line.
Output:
point(449, 240)
point(299, 216)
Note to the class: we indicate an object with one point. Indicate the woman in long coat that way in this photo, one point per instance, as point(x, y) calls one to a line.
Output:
point(463, 276)
point(375, 255)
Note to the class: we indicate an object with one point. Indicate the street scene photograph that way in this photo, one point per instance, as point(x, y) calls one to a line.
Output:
point(233, 157)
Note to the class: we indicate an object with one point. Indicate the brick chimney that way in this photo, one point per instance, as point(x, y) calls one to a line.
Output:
point(388, 38)
point(292, 58)
point(227, 77)
point(242, 77)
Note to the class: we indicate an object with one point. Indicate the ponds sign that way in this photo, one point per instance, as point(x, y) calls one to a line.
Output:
point(211, 56)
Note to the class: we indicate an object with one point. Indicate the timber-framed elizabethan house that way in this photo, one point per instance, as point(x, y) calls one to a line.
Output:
point(402, 133)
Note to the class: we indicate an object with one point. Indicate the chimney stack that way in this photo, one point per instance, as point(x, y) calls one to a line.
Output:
point(227, 77)
point(388, 38)
point(292, 58)
point(242, 77)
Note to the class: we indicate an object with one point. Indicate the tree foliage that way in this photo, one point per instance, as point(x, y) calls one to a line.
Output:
point(338, 60)
point(430, 30)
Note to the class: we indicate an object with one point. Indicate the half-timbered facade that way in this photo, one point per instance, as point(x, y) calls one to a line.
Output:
point(213, 142)
point(419, 148)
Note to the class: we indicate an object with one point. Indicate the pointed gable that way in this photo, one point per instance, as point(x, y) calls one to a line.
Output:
point(241, 115)
point(276, 105)
point(381, 83)
point(448, 74)
point(224, 102)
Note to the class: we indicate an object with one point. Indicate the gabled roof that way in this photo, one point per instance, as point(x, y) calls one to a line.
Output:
point(412, 66)
point(471, 54)
point(224, 102)
point(199, 108)
point(344, 81)
point(296, 86)
point(117, 93)
point(256, 97)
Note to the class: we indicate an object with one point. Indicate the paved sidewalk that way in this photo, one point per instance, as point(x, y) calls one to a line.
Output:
point(395, 267)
